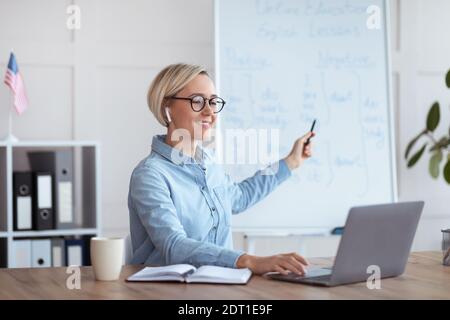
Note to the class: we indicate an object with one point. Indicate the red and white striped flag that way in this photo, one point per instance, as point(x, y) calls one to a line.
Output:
point(14, 81)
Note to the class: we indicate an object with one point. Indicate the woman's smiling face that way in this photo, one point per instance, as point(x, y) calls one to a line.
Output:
point(198, 124)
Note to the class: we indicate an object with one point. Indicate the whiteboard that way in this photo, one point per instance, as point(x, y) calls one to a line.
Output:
point(281, 64)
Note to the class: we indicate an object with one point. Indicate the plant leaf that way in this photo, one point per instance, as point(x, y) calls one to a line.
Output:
point(433, 117)
point(447, 171)
point(412, 143)
point(416, 156)
point(435, 160)
point(447, 79)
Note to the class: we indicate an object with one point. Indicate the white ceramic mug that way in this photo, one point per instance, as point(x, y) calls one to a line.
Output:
point(107, 257)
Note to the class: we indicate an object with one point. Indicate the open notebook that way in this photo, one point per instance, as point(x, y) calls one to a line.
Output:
point(188, 273)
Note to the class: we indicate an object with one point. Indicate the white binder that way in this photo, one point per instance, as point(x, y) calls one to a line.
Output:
point(74, 255)
point(40, 253)
point(21, 254)
point(58, 253)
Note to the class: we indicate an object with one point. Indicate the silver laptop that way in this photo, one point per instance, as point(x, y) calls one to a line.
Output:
point(379, 235)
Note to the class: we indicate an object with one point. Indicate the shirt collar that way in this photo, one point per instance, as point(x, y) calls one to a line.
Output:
point(159, 146)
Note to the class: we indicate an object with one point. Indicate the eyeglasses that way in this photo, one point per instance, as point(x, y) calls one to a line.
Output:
point(199, 102)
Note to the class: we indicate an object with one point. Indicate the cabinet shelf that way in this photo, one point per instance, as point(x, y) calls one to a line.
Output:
point(55, 143)
point(55, 233)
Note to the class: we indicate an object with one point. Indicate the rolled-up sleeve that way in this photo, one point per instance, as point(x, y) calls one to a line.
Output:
point(151, 199)
point(255, 188)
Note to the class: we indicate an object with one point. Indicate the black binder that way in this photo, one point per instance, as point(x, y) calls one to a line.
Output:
point(60, 164)
point(43, 201)
point(22, 201)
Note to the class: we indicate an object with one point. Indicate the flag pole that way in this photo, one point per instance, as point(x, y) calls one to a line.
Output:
point(11, 137)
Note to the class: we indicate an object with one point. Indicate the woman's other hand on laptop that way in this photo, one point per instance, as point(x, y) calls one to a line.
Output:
point(282, 263)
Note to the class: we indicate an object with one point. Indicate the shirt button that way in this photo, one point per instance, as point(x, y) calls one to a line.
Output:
point(203, 188)
point(213, 209)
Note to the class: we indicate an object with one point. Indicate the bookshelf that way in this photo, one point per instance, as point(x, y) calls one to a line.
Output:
point(86, 185)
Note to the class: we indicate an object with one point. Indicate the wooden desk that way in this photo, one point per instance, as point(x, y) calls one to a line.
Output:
point(425, 278)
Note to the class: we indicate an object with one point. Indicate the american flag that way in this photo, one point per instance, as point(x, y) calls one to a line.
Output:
point(14, 81)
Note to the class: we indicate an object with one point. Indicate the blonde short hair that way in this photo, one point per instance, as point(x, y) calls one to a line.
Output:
point(169, 81)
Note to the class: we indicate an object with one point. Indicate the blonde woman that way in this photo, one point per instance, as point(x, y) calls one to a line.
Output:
point(180, 201)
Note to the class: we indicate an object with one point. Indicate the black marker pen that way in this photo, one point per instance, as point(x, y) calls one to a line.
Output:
point(312, 128)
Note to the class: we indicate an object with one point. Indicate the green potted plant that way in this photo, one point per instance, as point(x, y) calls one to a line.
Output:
point(438, 148)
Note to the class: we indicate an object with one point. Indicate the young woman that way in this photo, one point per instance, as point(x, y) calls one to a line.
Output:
point(180, 201)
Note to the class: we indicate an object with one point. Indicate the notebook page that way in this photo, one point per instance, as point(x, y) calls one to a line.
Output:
point(173, 272)
point(216, 274)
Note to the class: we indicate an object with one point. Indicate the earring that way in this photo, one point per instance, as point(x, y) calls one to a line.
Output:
point(168, 115)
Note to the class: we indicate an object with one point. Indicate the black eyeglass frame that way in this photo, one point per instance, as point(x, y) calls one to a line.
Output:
point(204, 102)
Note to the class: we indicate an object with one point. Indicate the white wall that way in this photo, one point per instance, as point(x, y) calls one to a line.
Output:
point(91, 83)
point(420, 61)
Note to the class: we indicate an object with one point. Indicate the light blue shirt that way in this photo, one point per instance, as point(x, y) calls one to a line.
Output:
point(180, 207)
